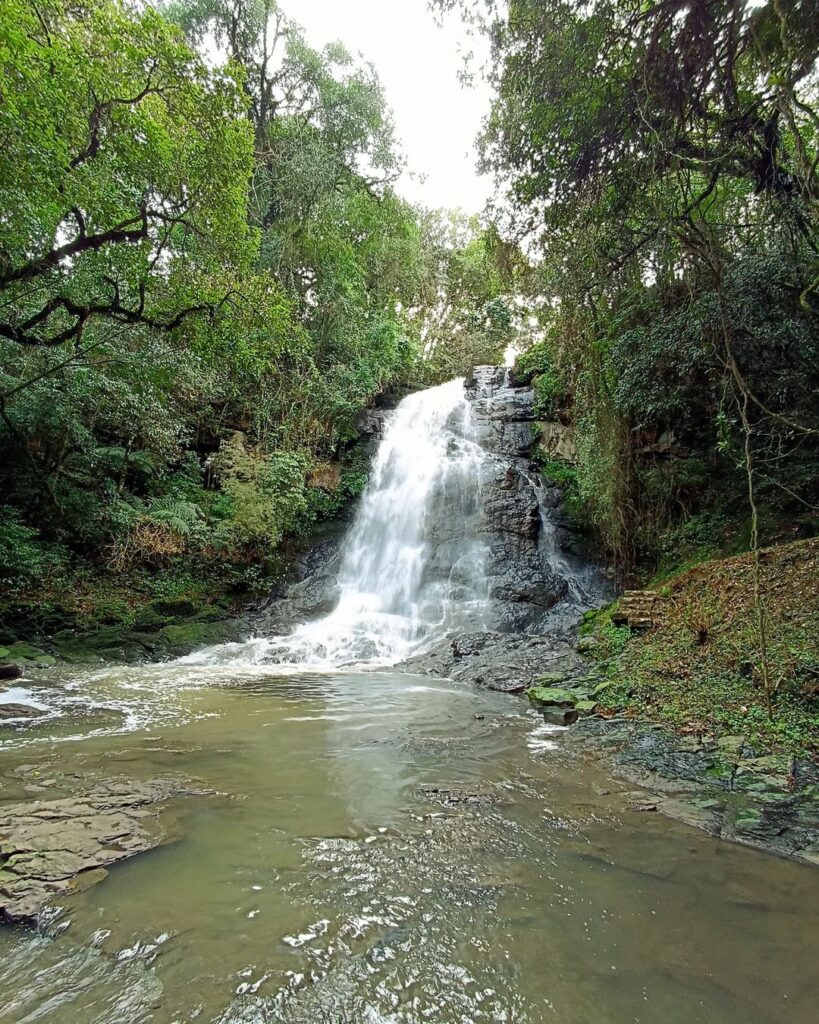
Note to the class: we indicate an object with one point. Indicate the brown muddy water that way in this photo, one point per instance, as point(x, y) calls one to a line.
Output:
point(329, 882)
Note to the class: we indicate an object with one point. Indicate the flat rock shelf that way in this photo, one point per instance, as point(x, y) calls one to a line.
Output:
point(51, 848)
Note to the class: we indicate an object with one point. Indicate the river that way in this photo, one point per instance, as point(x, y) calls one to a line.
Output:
point(381, 848)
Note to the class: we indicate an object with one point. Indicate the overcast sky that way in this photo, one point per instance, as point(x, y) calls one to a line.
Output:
point(436, 118)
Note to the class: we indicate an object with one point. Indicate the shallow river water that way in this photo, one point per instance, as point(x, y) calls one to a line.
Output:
point(386, 848)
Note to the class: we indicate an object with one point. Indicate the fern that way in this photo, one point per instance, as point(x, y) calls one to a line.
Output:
point(174, 513)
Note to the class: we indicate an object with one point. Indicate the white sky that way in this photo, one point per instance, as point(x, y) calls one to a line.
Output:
point(436, 118)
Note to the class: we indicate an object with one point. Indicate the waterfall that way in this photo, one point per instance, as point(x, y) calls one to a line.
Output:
point(427, 466)
point(452, 535)
point(413, 561)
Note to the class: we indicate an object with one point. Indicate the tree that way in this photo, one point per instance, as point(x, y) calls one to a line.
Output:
point(655, 157)
point(124, 182)
point(470, 314)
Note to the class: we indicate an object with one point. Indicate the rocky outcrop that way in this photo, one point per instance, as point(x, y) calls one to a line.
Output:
point(51, 848)
point(522, 582)
point(310, 591)
point(723, 786)
point(508, 662)
point(557, 441)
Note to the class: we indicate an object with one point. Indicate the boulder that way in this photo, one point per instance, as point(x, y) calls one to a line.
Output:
point(560, 716)
point(551, 696)
point(28, 654)
point(16, 710)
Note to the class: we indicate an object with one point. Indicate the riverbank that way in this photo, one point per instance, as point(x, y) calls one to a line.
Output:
point(132, 618)
point(669, 696)
point(118, 621)
point(693, 663)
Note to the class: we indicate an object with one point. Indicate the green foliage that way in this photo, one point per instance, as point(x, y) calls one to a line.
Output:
point(124, 181)
point(22, 558)
point(265, 494)
point(470, 316)
point(205, 276)
point(696, 668)
point(536, 366)
point(176, 514)
point(565, 476)
point(532, 363)
point(608, 641)
point(662, 160)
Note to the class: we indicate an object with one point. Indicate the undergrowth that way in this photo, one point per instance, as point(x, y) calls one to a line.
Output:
point(695, 669)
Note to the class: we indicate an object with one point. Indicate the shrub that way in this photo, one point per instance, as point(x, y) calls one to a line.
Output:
point(24, 559)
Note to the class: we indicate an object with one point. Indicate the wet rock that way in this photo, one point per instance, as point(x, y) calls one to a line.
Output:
point(460, 797)
point(371, 422)
point(49, 849)
point(560, 716)
point(12, 711)
point(310, 592)
point(21, 655)
point(151, 638)
point(509, 662)
point(10, 671)
point(641, 802)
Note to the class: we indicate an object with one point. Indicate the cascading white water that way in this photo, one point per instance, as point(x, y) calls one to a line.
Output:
point(413, 561)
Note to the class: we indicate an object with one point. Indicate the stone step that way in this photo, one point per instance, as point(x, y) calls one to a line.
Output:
point(636, 609)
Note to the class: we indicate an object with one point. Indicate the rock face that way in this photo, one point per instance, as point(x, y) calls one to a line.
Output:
point(557, 441)
point(50, 848)
point(311, 592)
point(508, 662)
point(523, 562)
point(723, 786)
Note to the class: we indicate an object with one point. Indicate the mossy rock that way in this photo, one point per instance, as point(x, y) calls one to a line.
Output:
point(731, 746)
point(748, 818)
point(585, 707)
point(588, 622)
point(28, 654)
point(586, 645)
point(186, 637)
point(111, 643)
point(210, 613)
point(720, 770)
point(552, 696)
point(75, 653)
point(149, 619)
